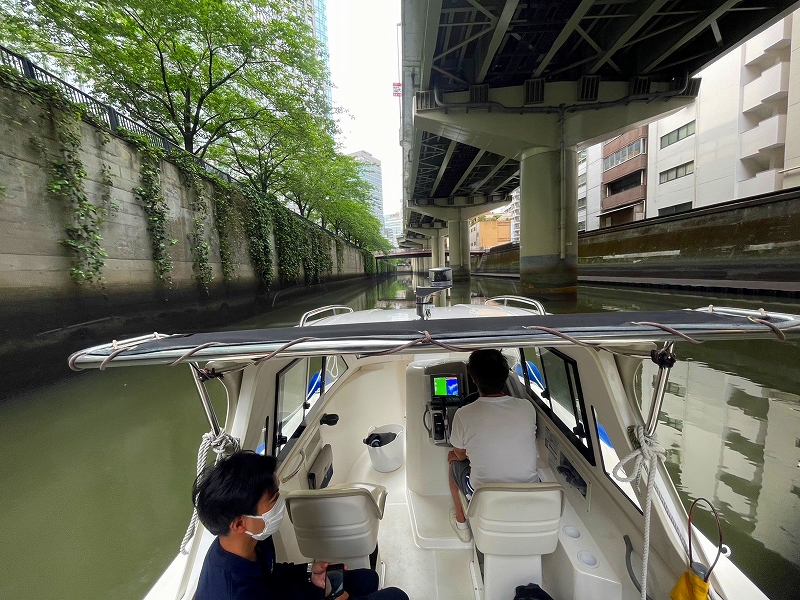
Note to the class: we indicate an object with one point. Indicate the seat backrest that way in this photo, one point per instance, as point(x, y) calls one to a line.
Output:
point(340, 520)
point(516, 519)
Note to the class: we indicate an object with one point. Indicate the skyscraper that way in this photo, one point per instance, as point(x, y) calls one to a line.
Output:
point(317, 15)
point(371, 172)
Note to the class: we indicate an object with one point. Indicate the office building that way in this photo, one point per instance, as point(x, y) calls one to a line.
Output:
point(371, 172)
point(736, 140)
point(393, 227)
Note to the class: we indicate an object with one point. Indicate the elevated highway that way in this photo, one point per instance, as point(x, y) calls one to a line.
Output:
point(503, 93)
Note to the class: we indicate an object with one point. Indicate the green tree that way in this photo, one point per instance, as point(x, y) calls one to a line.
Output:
point(193, 70)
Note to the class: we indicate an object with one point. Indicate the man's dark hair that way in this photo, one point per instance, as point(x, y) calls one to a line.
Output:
point(232, 488)
point(489, 370)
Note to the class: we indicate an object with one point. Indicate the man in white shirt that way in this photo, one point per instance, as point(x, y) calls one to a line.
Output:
point(494, 438)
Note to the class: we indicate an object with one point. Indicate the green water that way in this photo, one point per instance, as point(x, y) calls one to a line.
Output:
point(96, 470)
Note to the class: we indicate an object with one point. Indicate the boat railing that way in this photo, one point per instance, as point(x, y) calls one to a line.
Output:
point(520, 300)
point(323, 309)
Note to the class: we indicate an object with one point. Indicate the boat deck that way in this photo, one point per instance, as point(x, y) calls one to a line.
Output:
point(434, 573)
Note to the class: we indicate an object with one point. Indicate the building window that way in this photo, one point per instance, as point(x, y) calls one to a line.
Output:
point(581, 203)
point(582, 179)
point(581, 156)
point(581, 226)
point(677, 135)
point(625, 183)
point(623, 154)
point(676, 172)
point(676, 208)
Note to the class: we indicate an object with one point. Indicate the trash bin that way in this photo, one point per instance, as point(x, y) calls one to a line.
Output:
point(385, 447)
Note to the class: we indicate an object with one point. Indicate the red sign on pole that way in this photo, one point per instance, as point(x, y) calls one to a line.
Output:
point(397, 89)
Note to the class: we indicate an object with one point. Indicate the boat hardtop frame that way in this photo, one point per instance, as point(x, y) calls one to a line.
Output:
point(349, 334)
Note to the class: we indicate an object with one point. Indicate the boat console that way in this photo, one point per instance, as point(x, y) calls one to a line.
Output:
point(445, 398)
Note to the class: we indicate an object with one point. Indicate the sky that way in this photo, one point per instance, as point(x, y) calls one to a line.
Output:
point(363, 44)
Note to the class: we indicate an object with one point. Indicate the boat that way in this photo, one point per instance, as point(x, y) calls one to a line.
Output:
point(610, 515)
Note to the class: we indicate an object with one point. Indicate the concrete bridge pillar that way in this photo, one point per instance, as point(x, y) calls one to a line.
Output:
point(436, 257)
point(442, 253)
point(459, 249)
point(548, 244)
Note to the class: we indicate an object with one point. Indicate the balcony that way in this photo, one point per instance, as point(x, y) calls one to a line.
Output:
point(763, 183)
point(627, 197)
point(774, 38)
point(637, 163)
point(770, 134)
point(772, 85)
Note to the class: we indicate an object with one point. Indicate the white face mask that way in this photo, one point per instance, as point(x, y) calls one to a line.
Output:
point(272, 520)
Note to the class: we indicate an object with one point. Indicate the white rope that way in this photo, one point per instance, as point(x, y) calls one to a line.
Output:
point(648, 453)
point(222, 444)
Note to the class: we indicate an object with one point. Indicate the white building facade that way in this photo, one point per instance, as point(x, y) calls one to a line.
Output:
point(740, 138)
point(372, 174)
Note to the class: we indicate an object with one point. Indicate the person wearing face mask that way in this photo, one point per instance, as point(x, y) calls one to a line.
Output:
point(238, 500)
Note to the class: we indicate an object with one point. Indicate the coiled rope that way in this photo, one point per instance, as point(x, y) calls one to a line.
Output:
point(223, 444)
point(647, 454)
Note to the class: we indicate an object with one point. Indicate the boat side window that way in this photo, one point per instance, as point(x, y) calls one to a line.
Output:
point(555, 386)
point(335, 366)
point(610, 460)
point(299, 387)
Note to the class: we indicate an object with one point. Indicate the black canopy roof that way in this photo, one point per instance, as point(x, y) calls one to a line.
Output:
point(613, 328)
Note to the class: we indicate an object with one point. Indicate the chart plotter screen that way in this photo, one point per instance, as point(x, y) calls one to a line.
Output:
point(445, 385)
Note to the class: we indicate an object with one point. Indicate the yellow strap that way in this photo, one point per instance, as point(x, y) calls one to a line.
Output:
point(689, 587)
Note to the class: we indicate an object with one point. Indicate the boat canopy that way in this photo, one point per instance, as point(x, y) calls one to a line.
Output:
point(463, 334)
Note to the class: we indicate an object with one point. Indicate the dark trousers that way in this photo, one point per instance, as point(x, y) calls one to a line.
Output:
point(362, 584)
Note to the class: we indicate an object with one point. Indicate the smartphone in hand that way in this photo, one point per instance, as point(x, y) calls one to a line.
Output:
point(334, 584)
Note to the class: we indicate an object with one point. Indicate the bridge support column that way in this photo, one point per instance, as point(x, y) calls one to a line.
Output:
point(442, 255)
point(435, 256)
point(459, 249)
point(548, 262)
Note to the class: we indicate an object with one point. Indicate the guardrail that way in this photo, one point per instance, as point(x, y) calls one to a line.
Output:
point(102, 112)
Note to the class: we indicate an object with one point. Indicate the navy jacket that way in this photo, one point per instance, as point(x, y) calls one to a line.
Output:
point(226, 576)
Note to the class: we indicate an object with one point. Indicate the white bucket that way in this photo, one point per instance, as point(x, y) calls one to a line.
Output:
point(389, 457)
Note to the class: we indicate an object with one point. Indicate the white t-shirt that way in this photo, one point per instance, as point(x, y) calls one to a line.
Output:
point(499, 435)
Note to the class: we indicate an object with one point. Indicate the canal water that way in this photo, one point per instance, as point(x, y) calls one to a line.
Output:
point(96, 472)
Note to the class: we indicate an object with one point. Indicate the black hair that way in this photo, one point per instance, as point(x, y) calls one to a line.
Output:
point(232, 488)
point(489, 370)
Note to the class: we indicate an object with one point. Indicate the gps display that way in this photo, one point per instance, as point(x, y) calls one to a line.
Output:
point(445, 385)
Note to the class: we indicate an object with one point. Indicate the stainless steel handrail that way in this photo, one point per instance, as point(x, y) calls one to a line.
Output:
point(323, 309)
point(521, 299)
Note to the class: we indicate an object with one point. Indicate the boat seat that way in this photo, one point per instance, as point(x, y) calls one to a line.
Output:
point(339, 523)
point(514, 524)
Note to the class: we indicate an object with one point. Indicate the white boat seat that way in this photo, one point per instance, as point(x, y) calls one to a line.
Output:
point(514, 524)
point(338, 523)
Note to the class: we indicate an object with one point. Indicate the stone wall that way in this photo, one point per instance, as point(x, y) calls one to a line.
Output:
point(34, 266)
point(44, 314)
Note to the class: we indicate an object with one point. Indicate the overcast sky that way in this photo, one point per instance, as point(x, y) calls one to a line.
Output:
point(363, 38)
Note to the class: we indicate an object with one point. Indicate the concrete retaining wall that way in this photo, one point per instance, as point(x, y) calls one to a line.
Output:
point(751, 244)
point(41, 307)
point(756, 239)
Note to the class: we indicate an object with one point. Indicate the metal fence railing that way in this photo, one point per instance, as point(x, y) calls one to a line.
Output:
point(100, 111)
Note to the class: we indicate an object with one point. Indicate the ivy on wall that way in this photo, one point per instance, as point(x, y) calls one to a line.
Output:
point(258, 224)
point(339, 255)
point(155, 207)
point(66, 174)
point(369, 262)
point(192, 176)
point(239, 212)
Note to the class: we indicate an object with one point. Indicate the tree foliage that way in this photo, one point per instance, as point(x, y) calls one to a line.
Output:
point(193, 70)
point(236, 81)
